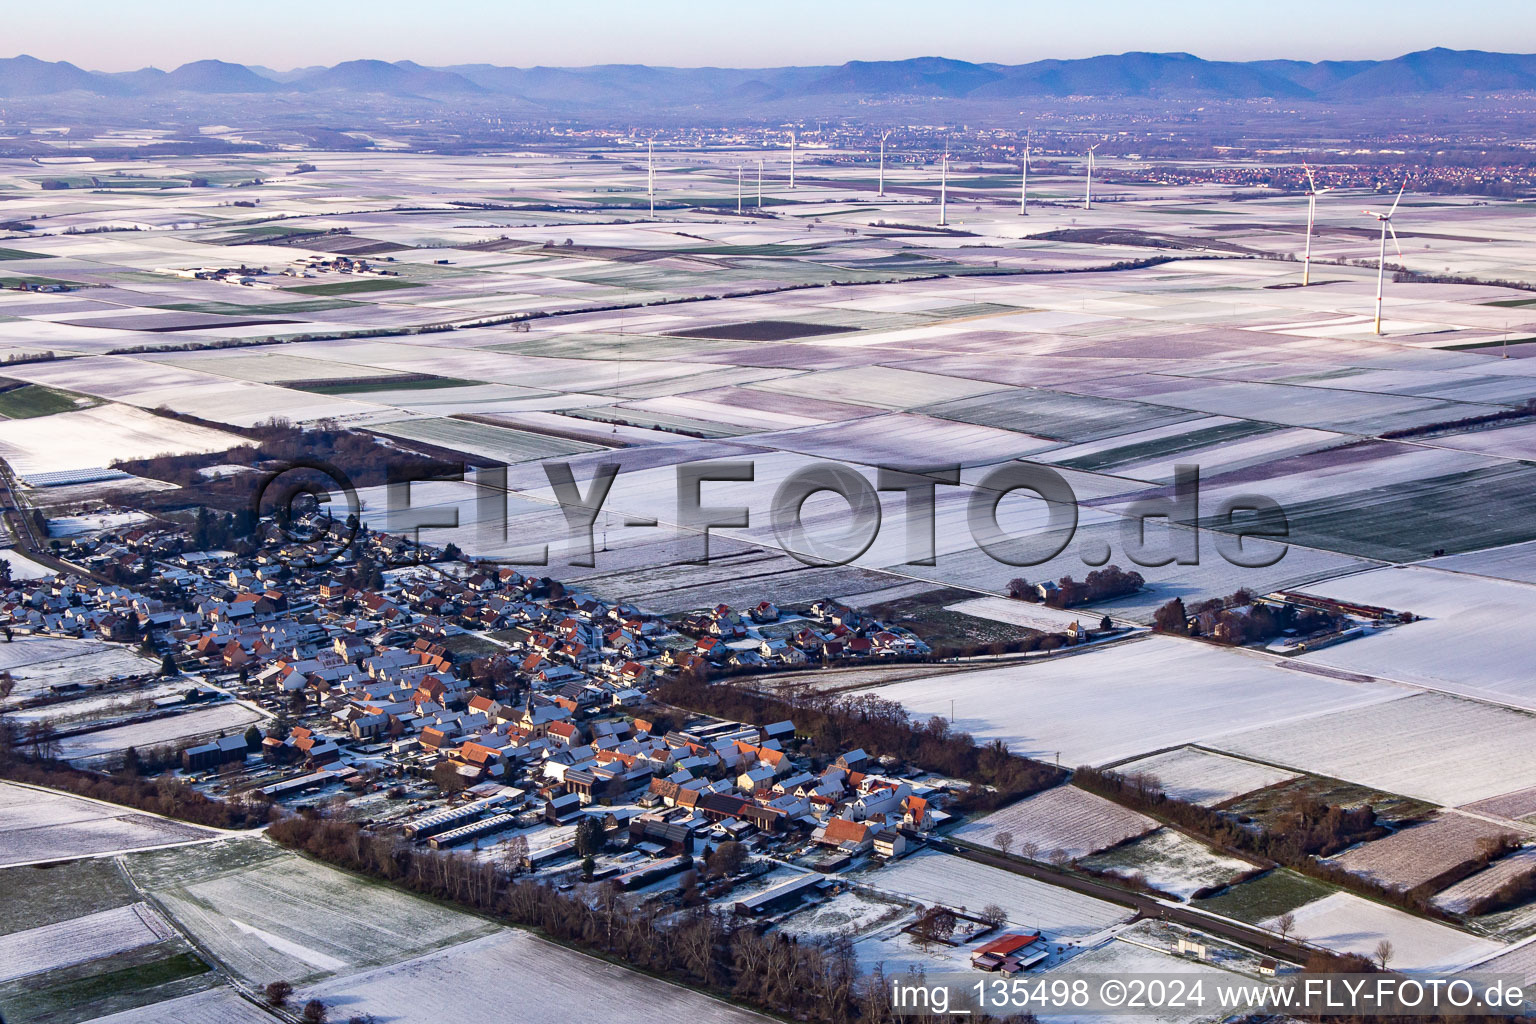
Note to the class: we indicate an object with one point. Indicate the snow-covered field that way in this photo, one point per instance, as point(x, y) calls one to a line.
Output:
point(1442, 749)
point(1347, 923)
point(930, 877)
point(1478, 636)
point(222, 718)
point(1204, 777)
point(75, 942)
point(22, 567)
point(553, 985)
point(1127, 699)
point(1120, 958)
point(44, 661)
point(40, 825)
point(266, 914)
point(1029, 614)
point(851, 913)
point(1064, 821)
point(92, 438)
point(1171, 862)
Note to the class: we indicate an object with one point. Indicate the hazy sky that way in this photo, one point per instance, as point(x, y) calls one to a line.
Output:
point(118, 35)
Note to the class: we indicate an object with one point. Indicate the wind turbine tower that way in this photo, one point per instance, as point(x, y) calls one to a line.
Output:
point(1024, 181)
point(1381, 260)
point(1088, 192)
point(1312, 193)
point(791, 161)
point(883, 137)
point(943, 186)
point(759, 184)
point(738, 189)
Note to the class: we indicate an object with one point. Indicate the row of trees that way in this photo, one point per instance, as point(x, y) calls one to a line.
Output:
point(833, 723)
point(1104, 584)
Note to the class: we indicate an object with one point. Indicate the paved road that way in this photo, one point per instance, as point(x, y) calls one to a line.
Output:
point(1147, 906)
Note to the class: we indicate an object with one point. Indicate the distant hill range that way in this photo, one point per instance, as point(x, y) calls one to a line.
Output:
point(1164, 76)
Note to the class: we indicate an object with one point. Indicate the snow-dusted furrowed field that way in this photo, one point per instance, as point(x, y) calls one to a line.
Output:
point(1203, 776)
point(1060, 822)
point(452, 983)
point(1350, 924)
point(1417, 854)
point(935, 878)
point(40, 825)
point(75, 942)
point(214, 1006)
point(93, 438)
point(1461, 896)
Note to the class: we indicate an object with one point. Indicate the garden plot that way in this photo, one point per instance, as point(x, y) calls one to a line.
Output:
point(1477, 636)
point(41, 825)
point(222, 718)
point(80, 940)
point(93, 438)
point(1436, 748)
point(1346, 923)
point(1109, 703)
point(451, 985)
point(1171, 862)
point(1204, 777)
point(1064, 822)
point(1460, 898)
point(264, 913)
point(92, 663)
point(851, 913)
point(1415, 855)
point(934, 878)
point(213, 1006)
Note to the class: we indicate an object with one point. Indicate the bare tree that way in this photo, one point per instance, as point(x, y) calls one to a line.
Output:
point(993, 915)
point(1383, 953)
point(1285, 924)
point(277, 992)
point(513, 854)
point(1004, 841)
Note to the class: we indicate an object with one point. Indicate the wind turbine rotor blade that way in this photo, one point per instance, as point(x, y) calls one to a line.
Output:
point(1393, 231)
point(1310, 182)
point(1397, 200)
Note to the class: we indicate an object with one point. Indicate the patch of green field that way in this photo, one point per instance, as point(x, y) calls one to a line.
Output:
point(86, 991)
point(20, 254)
point(374, 384)
point(1403, 522)
point(1054, 414)
point(31, 400)
point(1267, 896)
point(659, 421)
point(1512, 302)
point(263, 230)
point(926, 615)
point(471, 646)
point(34, 282)
point(1174, 444)
point(38, 896)
point(353, 287)
point(236, 309)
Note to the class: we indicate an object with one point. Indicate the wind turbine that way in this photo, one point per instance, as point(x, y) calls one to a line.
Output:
point(791, 161)
point(759, 183)
point(650, 172)
point(1385, 220)
point(1312, 193)
point(1024, 181)
point(1088, 192)
point(943, 186)
point(883, 137)
point(738, 189)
